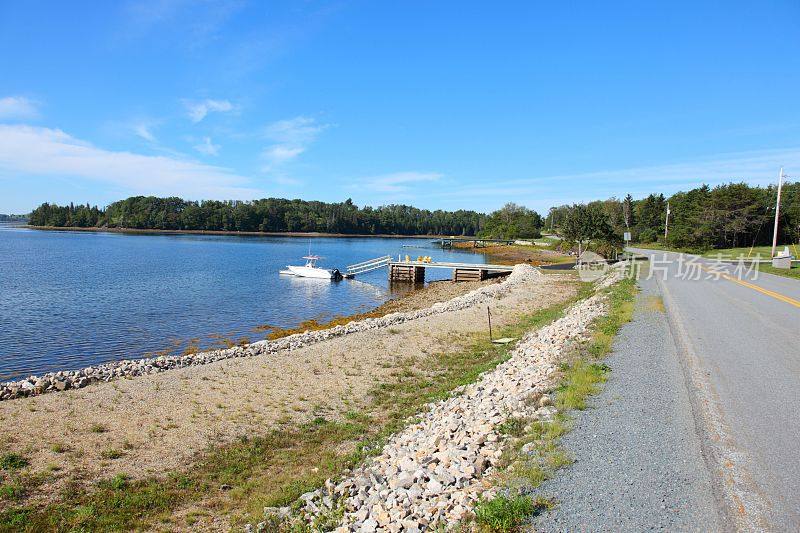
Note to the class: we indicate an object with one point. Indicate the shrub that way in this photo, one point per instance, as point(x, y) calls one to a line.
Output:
point(13, 461)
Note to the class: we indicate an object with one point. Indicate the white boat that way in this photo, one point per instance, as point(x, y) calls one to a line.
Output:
point(311, 270)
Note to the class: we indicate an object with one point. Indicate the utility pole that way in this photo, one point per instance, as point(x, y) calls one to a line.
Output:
point(666, 225)
point(777, 212)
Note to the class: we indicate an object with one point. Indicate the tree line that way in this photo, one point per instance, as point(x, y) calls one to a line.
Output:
point(13, 218)
point(266, 215)
point(726, 216)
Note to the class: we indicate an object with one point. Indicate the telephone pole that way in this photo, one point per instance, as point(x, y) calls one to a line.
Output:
point(666, 225)
point(777, 212)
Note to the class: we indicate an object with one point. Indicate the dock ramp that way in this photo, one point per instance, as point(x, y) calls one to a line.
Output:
point(369, 265)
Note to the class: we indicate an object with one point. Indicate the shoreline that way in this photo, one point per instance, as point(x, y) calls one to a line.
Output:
point(414, 300)
point(225, 232)
point(162, 426)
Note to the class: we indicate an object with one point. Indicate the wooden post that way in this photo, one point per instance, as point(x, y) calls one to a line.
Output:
point(489, 313)
point(411, 273)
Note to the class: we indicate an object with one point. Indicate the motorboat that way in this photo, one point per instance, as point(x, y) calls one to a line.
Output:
point(311, 270)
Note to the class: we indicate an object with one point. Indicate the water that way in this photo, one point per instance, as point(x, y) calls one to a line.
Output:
point(70, 299)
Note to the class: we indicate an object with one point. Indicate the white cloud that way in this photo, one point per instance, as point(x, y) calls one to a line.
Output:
point(397, 182)
point(142, 129)
point(280, 153)
point(207, 147)
point(18, 108)
point(199, 109)
point(290, 137)
point(36, 151)
point(298, 130)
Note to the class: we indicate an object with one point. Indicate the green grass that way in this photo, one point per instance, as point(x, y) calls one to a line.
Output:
point(794, 272)
point(581, 380)
point(273, 469)
point(507, 513)
point(111, 453)
point(735, 253)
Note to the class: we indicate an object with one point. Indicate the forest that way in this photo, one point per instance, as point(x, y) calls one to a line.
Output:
point(726, 216)
point(266, 215)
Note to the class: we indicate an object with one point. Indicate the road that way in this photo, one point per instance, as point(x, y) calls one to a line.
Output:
point(739, 343)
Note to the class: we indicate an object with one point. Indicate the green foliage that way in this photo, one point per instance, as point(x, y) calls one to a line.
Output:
point(504, 513)
point(12, 490)
point(13, 461)
point(589, 223)
point(726, 216)
point(268, 215)
point(513, 427)
point(513, 222)
point(111, 453)
point(581, 380)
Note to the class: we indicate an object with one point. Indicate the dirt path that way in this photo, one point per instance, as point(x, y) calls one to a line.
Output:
point(154, 424)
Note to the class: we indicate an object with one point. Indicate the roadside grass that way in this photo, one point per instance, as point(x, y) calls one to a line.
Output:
point(506, 513)
point(534, 454)
point(736, 253)
point(237, 480)
point(764, 251)
point(793, 272)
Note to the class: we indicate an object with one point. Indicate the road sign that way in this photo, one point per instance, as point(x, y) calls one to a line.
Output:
point(627, 236)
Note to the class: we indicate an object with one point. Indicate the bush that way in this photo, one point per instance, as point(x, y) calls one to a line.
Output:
point(648, 235)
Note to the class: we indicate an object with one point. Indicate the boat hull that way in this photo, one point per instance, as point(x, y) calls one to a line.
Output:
point(311, 272)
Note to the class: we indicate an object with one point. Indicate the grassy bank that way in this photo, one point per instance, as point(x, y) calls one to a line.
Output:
point(534, 453)
point(235, 481)
point(735, 253)
point(511, 254)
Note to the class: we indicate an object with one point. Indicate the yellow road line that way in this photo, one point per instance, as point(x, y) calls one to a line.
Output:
point(776, 295)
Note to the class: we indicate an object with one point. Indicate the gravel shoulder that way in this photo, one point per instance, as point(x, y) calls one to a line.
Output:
point(638, 461)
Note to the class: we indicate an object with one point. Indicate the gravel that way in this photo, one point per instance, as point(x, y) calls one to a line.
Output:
point(638, 463)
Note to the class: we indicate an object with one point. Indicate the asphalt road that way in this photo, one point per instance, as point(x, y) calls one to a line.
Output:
point(738, 341)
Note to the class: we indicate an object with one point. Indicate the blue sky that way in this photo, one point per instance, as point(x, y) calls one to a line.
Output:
point(438, 104)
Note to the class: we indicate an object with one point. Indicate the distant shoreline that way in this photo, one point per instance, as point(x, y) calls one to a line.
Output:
point(224, 232)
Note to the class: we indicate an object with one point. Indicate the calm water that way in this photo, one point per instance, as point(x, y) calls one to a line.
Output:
point(70, 300)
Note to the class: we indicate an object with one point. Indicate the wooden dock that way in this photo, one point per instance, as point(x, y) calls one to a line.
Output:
point(414, 271)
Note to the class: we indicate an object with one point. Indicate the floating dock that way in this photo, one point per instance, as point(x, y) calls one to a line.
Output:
point(414, 271)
